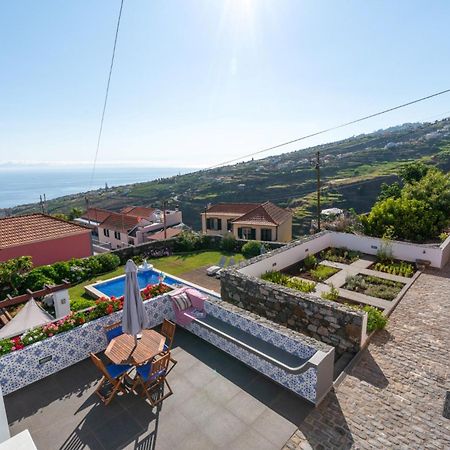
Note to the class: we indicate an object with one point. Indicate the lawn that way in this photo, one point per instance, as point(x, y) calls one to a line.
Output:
point(173, 265)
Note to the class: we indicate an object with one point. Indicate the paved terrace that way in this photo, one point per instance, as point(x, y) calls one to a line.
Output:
point(394, 396)
point(217, 403)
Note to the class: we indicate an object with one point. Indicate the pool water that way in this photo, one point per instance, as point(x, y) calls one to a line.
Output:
point(116, 286)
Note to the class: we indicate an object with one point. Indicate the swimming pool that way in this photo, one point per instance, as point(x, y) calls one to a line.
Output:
point(116, 286)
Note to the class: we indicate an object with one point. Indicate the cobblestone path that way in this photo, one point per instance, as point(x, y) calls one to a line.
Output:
point(394, 396)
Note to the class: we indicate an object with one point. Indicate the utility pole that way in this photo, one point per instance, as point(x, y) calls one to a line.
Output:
point(41, 203)
point(86, 199)
point(318, 189)
point(164, 219)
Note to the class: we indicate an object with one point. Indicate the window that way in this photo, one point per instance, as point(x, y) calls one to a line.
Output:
point(213, 223)
point(230, 225)
point(266, 234)
point(117, 235)
point(247, 233)
point(106, 232)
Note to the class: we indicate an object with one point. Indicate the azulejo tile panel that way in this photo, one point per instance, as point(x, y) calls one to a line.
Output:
point(44, 358)
point(293, 346)
point(303, 384)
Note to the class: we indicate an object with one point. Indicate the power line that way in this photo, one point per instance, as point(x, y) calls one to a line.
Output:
point(106, 95)
point(317, 133)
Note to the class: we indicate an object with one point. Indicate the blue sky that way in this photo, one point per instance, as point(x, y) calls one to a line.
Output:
point(201, 81)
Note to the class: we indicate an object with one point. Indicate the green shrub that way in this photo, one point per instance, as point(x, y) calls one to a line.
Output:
point(310, 262)
point(108, 261)
point(138, 259)
point(81, 303)
point(443, 236)
point(322, 272)
point(6, 346)
point(188, 241)
point(376, 320)
point(229, 243)
point(332, 294)
point(62, 271)
point(35, 280)
point(251, 249)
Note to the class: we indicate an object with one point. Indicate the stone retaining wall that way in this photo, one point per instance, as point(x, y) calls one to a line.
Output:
point(144, 249)
point(330, 322)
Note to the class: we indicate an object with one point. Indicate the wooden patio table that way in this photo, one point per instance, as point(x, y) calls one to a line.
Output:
point(122, 350)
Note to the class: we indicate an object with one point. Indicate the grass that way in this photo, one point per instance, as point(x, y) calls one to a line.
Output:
point(173, 265)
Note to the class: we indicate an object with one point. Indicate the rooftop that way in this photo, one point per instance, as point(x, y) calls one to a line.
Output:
point(217, 403)
point(265, 213)
point(30, 228)
point(170, 233)
point(120, 222)
point(97, 215)
point(138, 211)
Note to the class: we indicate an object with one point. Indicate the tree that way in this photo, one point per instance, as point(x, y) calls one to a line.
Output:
point(12, 272)
point(414, 171)
point(390, 190)
point(402, 218)
point(74, 213)
point(60, 216)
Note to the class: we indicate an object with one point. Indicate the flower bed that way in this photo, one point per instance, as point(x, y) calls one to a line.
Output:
point(103, 307)
point(374, 286)
point(310, 269)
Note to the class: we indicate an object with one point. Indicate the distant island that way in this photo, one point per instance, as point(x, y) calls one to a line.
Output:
point(352, 172)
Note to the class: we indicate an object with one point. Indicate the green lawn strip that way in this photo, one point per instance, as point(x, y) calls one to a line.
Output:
point(173, 265)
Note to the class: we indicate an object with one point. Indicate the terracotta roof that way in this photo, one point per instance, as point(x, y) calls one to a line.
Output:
point(171, 232)
point(120, 222)
point(138, 211)
point(20, 230)
point(96, 214)
point(267, 213)
point(232, 208)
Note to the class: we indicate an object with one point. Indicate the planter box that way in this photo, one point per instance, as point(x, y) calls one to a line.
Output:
point(23, 367)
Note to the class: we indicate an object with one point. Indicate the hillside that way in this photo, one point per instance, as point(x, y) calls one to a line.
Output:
point(352, 172)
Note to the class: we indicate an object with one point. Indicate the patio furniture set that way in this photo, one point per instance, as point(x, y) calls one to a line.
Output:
point(143, 364)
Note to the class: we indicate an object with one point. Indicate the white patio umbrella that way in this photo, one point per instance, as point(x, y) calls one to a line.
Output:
point(134, 317)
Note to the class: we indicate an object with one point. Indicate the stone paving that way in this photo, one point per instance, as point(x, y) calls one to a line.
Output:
point(394, 396)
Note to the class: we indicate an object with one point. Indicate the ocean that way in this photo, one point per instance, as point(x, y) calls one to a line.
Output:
point(19, 186)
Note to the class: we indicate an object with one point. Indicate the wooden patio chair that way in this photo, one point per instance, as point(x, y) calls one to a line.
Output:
point(113, 377)
point(113, 330)
point(151, 377)
point(168, 331)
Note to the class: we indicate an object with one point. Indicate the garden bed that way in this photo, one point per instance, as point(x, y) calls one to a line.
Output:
point(311, 269)
point(374, 286)
point(399, 268)
point(339, 255)
point(287, 281)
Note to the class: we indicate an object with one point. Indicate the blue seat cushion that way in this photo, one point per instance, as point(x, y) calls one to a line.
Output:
point(166, 347)
point(111, 334)
point(116, 370)
point(145, 370)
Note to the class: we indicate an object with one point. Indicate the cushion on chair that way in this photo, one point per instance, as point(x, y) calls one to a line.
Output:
point(115, 370)
point(144, 372)
point(182, 301)
point(114, 332)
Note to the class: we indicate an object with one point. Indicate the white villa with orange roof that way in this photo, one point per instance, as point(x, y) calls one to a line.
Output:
point(252, 221)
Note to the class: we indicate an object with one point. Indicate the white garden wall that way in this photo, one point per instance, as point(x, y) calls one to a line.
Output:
point(400, 250)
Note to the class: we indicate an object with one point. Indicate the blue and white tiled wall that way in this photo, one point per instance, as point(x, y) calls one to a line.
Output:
point(303, 384)
point(23, 367)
